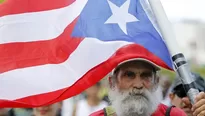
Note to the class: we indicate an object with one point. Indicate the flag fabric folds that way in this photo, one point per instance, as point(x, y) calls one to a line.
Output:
point(51, 50)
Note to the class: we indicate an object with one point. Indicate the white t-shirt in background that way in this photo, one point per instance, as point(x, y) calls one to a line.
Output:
point(83, 109)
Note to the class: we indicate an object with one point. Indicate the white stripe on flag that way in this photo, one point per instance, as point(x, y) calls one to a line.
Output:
point(37, 26)
point(47, 78)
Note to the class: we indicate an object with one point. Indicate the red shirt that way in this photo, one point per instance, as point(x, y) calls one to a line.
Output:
point(160, 111)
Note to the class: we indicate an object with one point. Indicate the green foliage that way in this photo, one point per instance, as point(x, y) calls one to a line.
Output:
point(169, 73)
point(1, 1)
point(199, 70)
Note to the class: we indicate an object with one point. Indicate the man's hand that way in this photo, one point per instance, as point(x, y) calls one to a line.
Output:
point(186, 107)
point(198, 108)
point(188, 111)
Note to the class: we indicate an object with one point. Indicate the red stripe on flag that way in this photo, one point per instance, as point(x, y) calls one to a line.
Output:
point(89, 79)
point(25, 6)
point(28, 54)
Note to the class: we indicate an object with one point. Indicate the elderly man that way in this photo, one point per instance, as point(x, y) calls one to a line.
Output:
point(133, 86)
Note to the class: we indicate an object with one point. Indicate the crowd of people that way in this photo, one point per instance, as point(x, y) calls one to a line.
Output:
point(135, 89)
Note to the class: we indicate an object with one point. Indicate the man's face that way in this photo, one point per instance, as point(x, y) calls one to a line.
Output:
point(132, 75)
point(4, 112)
point(132, 92)
point(50, 110)
point(176, 100)
point(93, 91)
point(176, 96)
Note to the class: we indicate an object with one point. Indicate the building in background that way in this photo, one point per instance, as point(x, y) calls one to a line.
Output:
point(190, 35)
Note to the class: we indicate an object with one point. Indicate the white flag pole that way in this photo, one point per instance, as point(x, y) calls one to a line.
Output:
point(179, 61)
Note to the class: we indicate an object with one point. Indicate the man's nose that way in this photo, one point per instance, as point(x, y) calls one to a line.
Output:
point(138, 83)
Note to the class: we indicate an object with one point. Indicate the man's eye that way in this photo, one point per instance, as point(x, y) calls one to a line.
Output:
point(146, 75)
point(129, 74)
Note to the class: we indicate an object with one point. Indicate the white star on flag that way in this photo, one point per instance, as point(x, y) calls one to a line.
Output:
point(120, 15)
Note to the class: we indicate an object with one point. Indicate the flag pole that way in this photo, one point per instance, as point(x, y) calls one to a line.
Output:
point(180, 64)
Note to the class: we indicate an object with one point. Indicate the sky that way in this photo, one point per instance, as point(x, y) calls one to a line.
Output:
point(184, 9)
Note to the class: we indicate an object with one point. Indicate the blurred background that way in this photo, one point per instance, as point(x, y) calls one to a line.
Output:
point(188, 21)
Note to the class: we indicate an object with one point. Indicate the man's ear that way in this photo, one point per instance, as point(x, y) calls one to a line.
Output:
point(110, 82)
point(157, 80)
point(171, 96)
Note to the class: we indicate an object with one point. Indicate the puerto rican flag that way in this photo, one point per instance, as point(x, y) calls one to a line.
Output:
point(51, 50)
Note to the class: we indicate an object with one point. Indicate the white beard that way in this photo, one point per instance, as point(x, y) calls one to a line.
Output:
point(137, 103)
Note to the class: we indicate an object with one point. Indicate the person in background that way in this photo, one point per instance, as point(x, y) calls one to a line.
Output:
point(4, 112)
point(178, 94)
point(21, 112)
point(103, 93)
point(163, 87)
point(67, 107)
point(50, 110)
point(91, 103)
point(165, 83)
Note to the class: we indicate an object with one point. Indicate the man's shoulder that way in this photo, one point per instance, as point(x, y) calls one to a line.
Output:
point(161, 111)
point(177, 111)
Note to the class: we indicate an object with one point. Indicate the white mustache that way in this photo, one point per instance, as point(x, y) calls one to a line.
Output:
point(138, 92)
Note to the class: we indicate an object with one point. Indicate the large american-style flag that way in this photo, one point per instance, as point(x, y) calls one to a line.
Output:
point(51, 50)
